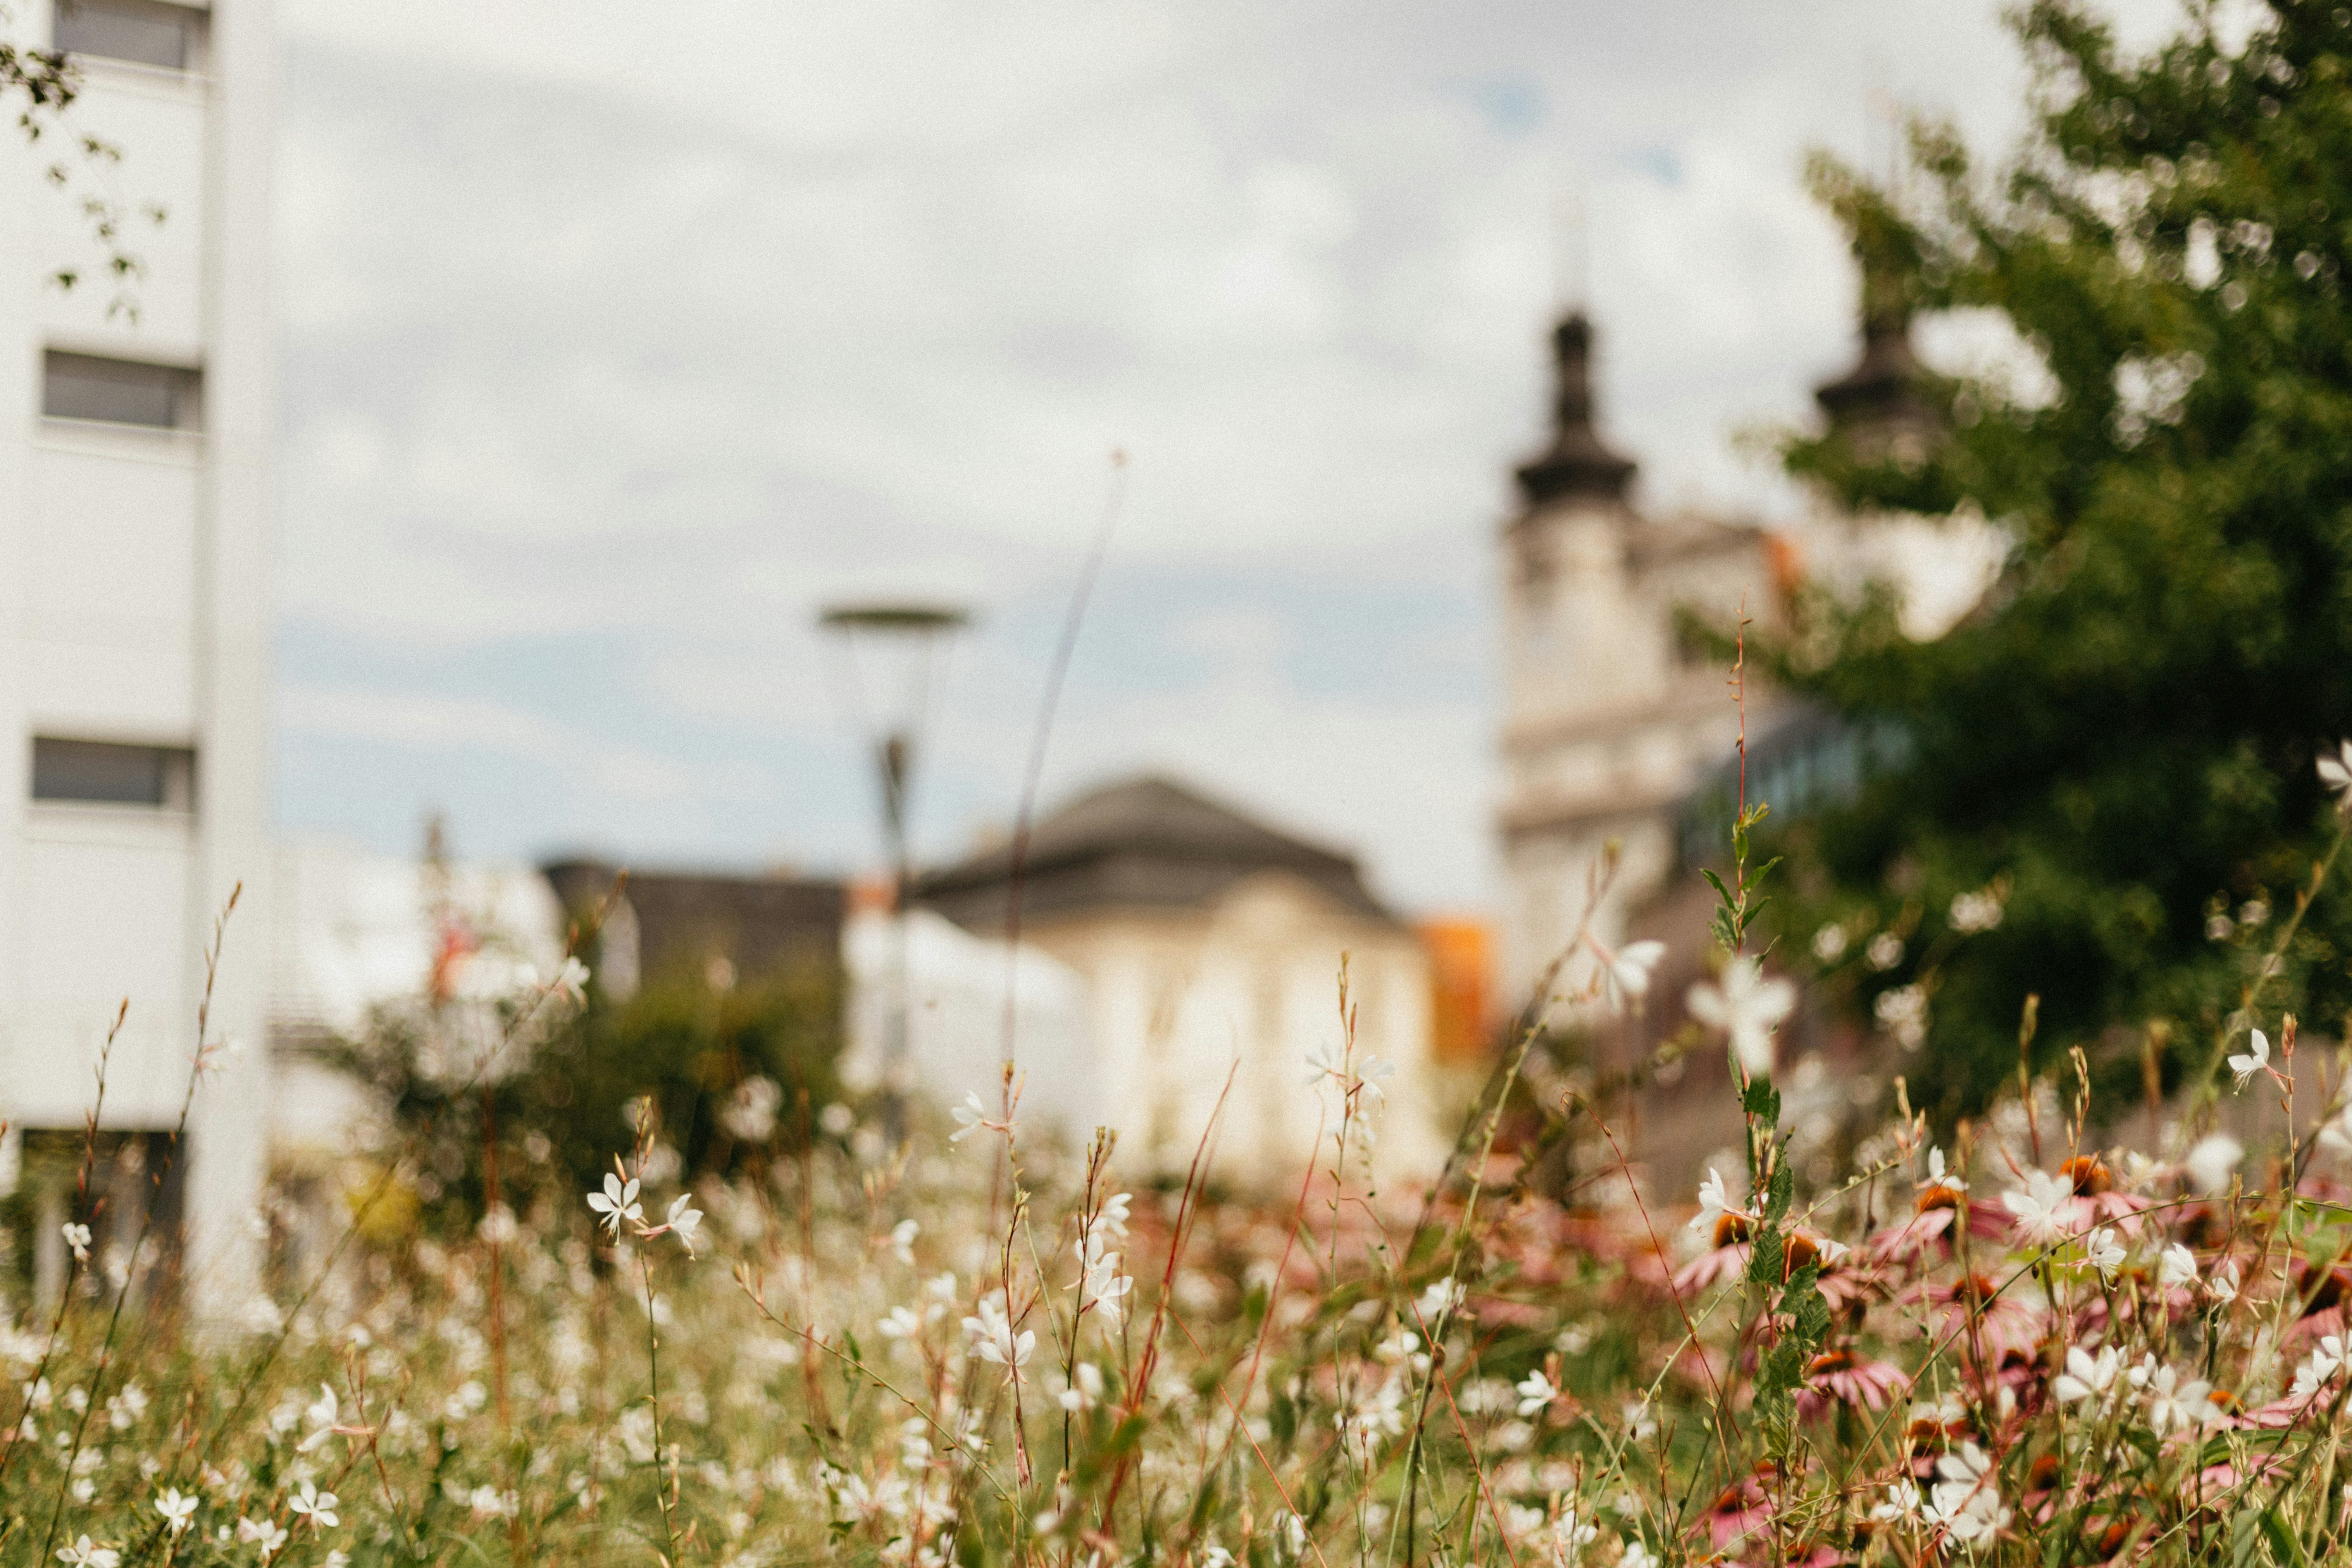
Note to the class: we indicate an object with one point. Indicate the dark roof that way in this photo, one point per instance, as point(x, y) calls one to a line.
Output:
point(1146, 843)
point(1578, 462)
point(1879, 401)
point(759, 924)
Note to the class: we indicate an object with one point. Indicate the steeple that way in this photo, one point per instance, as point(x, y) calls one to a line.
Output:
point(1576, 463)
point(1877, 405)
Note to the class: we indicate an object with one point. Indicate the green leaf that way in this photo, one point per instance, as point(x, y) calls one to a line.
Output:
point(1762, 1101)
point(2286, 1546)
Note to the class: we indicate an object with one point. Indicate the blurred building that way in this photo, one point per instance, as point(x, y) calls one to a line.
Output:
point(1619, 725)
point(715, 927)
point(355, 929)
point(1211, 944)
point(963, 993)
point(136, 451)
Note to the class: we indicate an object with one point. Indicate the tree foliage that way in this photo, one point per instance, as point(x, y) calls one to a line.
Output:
point(2117, 748)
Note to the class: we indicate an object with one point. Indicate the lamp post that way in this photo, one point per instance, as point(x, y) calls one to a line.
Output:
point(894, 644)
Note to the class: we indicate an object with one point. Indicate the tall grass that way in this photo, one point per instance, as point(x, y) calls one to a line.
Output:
point(2016, 1341)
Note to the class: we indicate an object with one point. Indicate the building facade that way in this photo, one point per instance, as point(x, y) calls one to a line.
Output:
point(1210, 945)
point(137, 477)
point(1619, 719)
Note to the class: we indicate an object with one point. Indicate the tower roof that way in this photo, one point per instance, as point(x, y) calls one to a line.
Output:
point(1883, 388)
point(1577, 462)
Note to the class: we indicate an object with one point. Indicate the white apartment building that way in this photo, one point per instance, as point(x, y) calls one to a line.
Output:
point(137, 482)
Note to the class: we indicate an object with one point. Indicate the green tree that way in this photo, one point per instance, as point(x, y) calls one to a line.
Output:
point(2120, 745)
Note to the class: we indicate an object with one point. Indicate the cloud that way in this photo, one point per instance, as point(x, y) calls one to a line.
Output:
point(650, 332)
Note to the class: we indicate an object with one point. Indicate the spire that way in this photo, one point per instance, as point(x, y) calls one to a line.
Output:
point(1877, 405)
point(1576, 463)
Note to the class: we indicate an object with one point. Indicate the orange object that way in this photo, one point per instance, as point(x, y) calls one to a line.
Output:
point(1461, 986)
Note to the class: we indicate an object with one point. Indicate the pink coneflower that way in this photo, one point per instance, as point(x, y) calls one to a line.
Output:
point(1839, 1377)
point(1712, 1268)
point(2096, 1202)
point(2005, 1320)
point(1738, 1511)
point(1908, 1242)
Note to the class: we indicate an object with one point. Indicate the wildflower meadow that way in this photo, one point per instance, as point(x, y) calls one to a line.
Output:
point(2010, 1340)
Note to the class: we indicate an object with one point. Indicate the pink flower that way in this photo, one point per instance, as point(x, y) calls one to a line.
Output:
point(1839, 1377)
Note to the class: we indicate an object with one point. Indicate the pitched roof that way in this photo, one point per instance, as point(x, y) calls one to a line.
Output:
point(1144, 843)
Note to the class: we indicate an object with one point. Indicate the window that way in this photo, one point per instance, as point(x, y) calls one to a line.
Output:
point(119, 391)
point(104, 772)
point(144, 32)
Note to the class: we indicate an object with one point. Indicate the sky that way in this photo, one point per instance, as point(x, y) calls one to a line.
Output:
point(620, 339)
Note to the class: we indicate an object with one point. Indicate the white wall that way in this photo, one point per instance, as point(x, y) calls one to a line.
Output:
point(134, 606)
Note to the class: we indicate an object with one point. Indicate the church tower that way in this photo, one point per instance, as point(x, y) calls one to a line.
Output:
point(1610, 719)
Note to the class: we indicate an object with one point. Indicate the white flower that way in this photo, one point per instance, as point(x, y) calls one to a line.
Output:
point(1829, 943)
point(2326, 1360)
point(2209, 1164)
point(1100, 1283)
point(1712, 1200)
point(2037, 1210)
point(1937, 1176)
point(2102, 1252)
point(1536, 1393)
point(993, 1338)
point(1442, 1297)
point(1640, 1424)
point(1636, 1555)
point(1903, 1501)
point(2178, 1265)
point(971, 1116)
point(2223, 1285)
point(320, 1418)
point(176, 1508)
point(1885, 951)
point(2172, 1404)
point(1747, 1007)
point(570, 981)
point(269, 1537)
point(83, 1554)
point(1965, 1503)
point(1569, 1536)
point(616, 1203)
point(683, 1219)
point(2257, 1059)
point(2085, 1377)
point(1086, 1392)
point(314, 1505)
point(1628, 970)
point(77, 1237)
point(2335, 772)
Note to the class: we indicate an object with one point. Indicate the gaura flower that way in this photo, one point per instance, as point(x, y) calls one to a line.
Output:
point(83, 1554)
point(1625, 974)
point(2102, 1252)
point(2038, 1212)
point(618, 1201)
point(2086, 1377)
point(2173, 1405)
point(2176, 1267)
point(2256, 1059)
point(176, 1508)
point(2335, 772)
point(1747, 1007)
point(314, 1505)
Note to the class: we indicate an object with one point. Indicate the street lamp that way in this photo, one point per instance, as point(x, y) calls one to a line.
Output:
point(893, 646)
